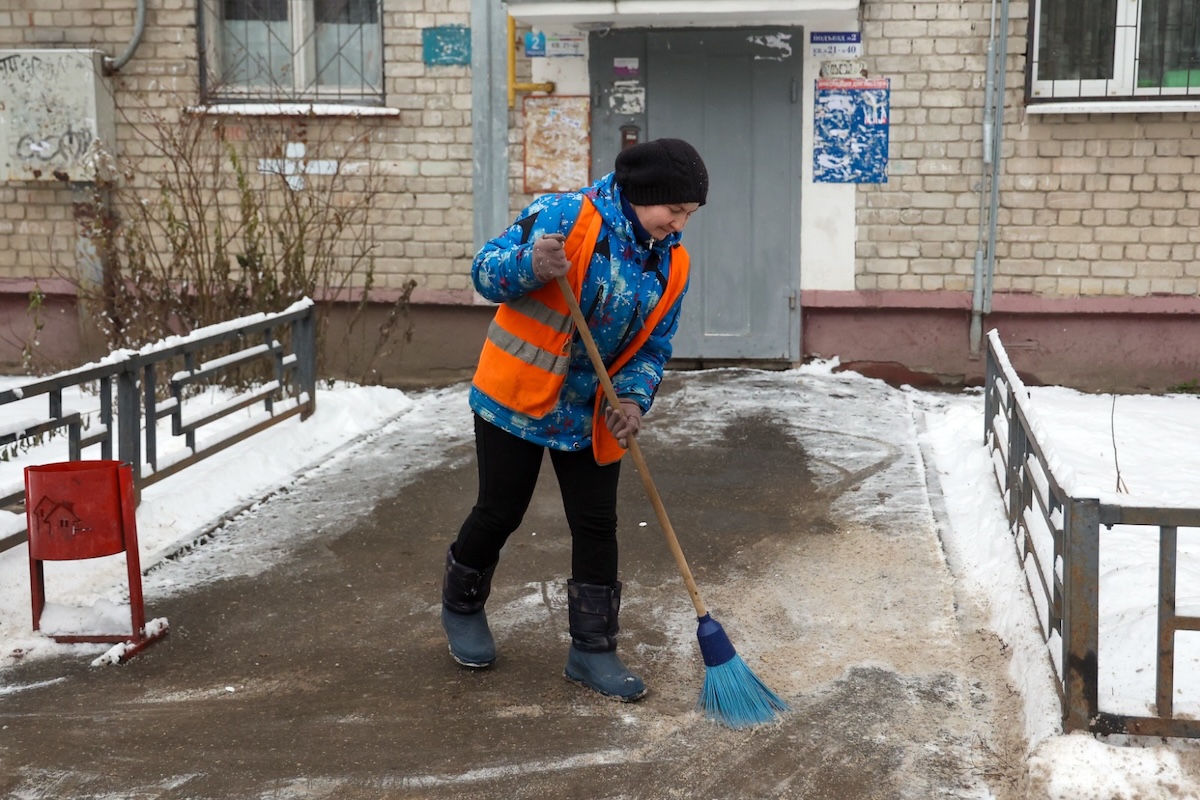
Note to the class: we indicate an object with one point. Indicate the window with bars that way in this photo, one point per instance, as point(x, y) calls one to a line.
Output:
point(1115, 49)
point(328, 51)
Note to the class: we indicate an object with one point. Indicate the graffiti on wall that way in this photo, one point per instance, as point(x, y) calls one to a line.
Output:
point(48, 115)
point(70, 146)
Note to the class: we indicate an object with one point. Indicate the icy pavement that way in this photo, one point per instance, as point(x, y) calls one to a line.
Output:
point(306, 659)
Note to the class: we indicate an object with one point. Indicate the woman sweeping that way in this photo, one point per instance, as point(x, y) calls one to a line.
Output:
point(617, 244)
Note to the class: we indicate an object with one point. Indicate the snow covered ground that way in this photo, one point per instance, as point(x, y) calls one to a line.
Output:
point(1156, 442)
point(1156, 439)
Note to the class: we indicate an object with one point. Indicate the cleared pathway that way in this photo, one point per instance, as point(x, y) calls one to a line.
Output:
point(801, 504)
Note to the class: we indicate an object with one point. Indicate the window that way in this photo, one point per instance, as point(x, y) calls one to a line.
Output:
point(289, 50)
point(1115, 49)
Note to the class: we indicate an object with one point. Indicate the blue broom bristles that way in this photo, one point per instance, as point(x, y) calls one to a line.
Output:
point(732, 695)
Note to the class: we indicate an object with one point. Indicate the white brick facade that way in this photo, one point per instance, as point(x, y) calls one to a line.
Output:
point(1090, 204)
point(1101, 205)
point(422, 154)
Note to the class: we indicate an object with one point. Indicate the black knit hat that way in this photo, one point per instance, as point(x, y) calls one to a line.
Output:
point(662, 172)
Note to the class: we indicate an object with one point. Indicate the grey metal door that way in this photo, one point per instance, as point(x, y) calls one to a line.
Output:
point(735, 95)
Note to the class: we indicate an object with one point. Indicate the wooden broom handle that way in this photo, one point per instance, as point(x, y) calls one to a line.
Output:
point(610, 394)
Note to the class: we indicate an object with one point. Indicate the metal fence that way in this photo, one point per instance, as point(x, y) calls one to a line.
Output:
point(137, 390)
point(1057, 536)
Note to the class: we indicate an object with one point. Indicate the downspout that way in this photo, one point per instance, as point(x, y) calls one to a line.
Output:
point(989, 87)
point(997, 142)
point(489, 121)
point(139, 28)
point(993, 127)
point(95, 257)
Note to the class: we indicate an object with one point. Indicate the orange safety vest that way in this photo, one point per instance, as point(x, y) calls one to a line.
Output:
point(525, 357)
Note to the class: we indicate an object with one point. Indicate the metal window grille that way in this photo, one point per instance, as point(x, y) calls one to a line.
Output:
point(1076, 43)
point(328, 51)
point(1169, 44)
point(1110, 50)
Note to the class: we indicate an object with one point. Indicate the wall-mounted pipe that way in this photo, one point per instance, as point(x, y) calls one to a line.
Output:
point(989, 205)
point(513, 86)
point(489, 120)
point(997, 143)
point(139, 28)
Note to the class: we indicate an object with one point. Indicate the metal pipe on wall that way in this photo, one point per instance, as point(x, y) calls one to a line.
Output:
point(513, 86)
point(989, 87)
point(997, 142)
point(984, 267)
point(139, 28)
point(489, 120)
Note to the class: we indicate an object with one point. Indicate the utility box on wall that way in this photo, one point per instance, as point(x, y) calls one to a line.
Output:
point(56, 109)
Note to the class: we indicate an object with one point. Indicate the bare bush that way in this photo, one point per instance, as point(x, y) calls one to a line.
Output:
point(207, 219)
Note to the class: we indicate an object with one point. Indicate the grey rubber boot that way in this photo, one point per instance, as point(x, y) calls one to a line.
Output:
point(592, 660)
point(464, 593)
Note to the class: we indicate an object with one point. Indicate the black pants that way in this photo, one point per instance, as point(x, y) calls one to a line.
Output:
point(508, 473)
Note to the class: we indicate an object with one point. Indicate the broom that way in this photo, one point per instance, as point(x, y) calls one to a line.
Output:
point(732, 694)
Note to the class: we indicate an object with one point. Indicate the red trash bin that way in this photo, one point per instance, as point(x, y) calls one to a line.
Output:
point(78, 510)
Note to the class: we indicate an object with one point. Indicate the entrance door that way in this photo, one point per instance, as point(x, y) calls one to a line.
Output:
point(735, 95)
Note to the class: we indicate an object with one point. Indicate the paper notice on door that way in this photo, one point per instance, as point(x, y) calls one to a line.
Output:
point(628, 97)
point(626, 68)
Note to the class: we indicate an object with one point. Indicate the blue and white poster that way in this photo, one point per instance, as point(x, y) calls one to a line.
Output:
point(850, 128)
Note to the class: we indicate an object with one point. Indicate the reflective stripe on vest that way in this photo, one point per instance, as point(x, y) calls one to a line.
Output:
point(525, 358)
point(526, 355)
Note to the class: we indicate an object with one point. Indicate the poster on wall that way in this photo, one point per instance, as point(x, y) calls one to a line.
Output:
point(557, 144)
point(850, 130)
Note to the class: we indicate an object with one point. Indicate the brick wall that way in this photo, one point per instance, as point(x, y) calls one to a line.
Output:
point(422, 159)
point(1099, 205)
point(1094, 204)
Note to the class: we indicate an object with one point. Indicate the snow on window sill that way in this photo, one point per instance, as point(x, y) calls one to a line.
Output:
point(1114, 107)
point(294, 110)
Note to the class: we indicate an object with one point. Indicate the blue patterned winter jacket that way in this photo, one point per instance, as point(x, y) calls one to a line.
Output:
point(624, 281)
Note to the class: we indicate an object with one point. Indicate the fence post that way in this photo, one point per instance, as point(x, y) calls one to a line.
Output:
point(989, 390)
point(1018, 452)
point(106, 417)
point(304, 339)
point(1080, 623)
point(1168, 554)
point(269, 340)
point(129, 420)
point(150, 405)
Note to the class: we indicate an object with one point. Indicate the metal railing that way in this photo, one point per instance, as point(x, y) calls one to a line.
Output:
point(282, 346)
point(1057, 536)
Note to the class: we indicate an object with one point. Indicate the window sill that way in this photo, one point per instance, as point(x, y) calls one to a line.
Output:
point(1114, 107)
point(293, 110)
